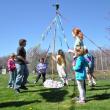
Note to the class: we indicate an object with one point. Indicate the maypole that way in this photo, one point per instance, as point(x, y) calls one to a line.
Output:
point(54, 40)
point(51, 83)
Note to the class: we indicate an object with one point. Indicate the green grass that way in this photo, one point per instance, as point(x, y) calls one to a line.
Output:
point(39, 98)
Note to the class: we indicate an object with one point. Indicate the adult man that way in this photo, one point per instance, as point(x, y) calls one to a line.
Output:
point(21, 65)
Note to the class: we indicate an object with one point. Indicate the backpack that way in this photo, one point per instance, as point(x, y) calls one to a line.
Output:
point(90, 59)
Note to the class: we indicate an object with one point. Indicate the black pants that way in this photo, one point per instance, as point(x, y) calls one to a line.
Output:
point(85, 85)
point(43, 76)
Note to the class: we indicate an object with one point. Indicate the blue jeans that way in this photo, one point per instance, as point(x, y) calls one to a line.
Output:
point(22, 75)
point(12, 78)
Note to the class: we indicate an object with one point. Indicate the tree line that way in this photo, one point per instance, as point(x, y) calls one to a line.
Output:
point(102, 59)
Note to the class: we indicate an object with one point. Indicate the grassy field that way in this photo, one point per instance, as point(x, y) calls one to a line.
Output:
point(39, 98)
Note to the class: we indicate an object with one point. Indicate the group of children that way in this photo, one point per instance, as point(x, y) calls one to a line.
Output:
point(83, 65)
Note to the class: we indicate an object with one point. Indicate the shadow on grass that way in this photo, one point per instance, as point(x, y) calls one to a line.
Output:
point(107, 85)
point(34, 85)
point(54, 95)
point(103, 96)
point(17, 103)
point(72, 107)
point(73, 95)
point(103, 87)
point(40, 90)
point(31, 85)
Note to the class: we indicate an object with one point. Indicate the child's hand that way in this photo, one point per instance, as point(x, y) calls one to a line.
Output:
point(73, 64)
point(26, 62)
point(70, 51)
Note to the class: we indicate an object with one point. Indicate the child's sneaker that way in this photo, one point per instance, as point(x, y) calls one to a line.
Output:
point(35, 82)
point(76, 98)
point(24, 87)
point(17, 90)
point(81, 101)
point(94, 83)
point(9, 86)
point(90, 84)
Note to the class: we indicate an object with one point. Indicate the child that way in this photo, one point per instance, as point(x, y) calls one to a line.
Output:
point(61, 65)
point(12, 70)
point(80, 74)
point(41, 70)
point(90, 69)
point(78, 35)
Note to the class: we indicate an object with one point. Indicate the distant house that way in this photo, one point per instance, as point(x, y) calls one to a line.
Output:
point(4, 71)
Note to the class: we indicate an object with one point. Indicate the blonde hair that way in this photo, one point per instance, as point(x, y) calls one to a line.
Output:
point(76, 31)
point(61, 59)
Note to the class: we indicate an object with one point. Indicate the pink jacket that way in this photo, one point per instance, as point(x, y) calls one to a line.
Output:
point(11, 64)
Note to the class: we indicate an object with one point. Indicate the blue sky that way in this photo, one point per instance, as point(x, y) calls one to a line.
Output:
point(29, 18)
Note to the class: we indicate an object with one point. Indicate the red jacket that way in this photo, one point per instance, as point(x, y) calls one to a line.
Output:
point(11, 64)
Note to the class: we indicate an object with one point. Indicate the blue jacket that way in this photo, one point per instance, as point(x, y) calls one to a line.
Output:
point(90, 60)
point(79, 68)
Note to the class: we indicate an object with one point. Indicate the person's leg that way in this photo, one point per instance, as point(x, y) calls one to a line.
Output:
point(19, 77)
point(88, 76)
point(92, 77)
point(60, 74)
point(66, 81)
point(25, 75)
point(64, 76)
point(85, 86)
point(14, 77)
point(43, 77)
point(38, 77)
point(10, 79)
point(80, 84)
point(93, 80)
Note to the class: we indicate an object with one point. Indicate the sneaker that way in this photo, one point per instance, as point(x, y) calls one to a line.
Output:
point(35, 82)
point(76, 98)
point(24, 87)
point(90, 84)
point(17, 90)
point(81, 101)
point(94, 83)
point(65, 84)
point(9, 86)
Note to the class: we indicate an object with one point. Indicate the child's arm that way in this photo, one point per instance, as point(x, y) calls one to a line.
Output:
point(70, 50)
point(78, 64)
point(8, 64)
point(24, 60)
point(54, 58)
point(21, 58)
point(38, 68)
